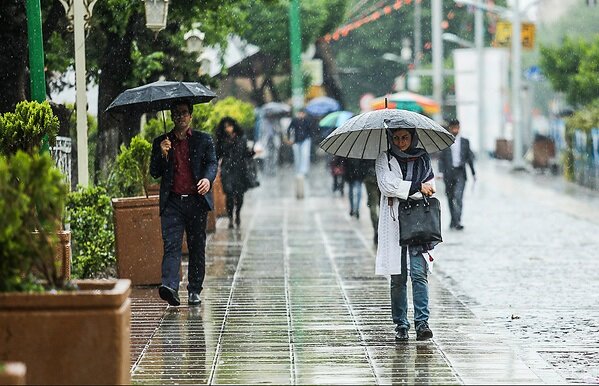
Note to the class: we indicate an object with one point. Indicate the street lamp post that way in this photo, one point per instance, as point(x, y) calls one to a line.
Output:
point(480, 59)
point(518, 161)
point(79, 13)
point(515, 16)
point(36, 56)
point(437, 10)
point(156, 14)
point(295, 48)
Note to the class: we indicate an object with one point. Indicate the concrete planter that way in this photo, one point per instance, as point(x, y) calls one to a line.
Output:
point(12, 373)
point(220, 207)
point(138, 239)
point(76, 337)
point(503, 149)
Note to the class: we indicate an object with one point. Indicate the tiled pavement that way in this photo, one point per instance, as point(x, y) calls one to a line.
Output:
point(291, 299)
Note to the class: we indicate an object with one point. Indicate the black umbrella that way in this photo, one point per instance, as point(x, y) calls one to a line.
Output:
point(159, 96)
point(364, 136)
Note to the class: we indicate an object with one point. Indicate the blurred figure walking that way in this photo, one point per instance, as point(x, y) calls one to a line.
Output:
point(373, 198)
point(232, 153)
point(355, 172)
point(452, 164)
point(299, 135)
point(337, 165)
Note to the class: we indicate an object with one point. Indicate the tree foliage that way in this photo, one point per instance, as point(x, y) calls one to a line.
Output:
point(317, 17)
point(572, 68)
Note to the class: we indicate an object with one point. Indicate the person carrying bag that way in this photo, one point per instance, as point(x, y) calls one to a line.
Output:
point(406, 181)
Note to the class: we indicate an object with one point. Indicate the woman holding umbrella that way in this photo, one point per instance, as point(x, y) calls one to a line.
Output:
point(232, 153)
point(403, 171)
point(401, 142)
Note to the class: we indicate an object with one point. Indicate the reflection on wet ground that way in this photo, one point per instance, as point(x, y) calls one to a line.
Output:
point(291, 298)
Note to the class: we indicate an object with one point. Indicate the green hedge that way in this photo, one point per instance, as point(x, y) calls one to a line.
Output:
point(89, 213)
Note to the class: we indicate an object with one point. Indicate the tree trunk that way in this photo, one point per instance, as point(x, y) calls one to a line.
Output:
point(114, 68)
point(331, 81)
point(13, 54)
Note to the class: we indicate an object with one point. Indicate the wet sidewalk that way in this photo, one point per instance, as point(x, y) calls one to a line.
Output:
point(291, 298)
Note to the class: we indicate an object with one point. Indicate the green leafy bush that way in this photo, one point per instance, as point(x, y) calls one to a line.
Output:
point(584, 119)
point(26, 127)
point(237, 109)
point(92, 235)
point(130, 175)
point(32, 198)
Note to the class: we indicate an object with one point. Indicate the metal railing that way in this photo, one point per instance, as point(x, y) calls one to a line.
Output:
point(61, 153)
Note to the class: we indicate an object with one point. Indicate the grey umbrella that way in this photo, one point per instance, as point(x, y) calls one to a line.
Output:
point(159, 96)
point(272, 109)
point(363, 136)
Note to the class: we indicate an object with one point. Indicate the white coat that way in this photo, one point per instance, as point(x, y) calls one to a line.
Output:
point(391, 184)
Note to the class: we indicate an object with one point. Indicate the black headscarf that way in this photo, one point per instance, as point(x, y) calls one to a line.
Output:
point(415, 163)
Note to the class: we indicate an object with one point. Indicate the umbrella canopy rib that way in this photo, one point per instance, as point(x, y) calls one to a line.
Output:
point(334, 141)
point(366, 143)
point(432, 140)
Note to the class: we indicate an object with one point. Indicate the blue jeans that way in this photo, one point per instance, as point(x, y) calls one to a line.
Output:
point(399, 291)
point(301, 156)
point(355, 195)
point(189, 215)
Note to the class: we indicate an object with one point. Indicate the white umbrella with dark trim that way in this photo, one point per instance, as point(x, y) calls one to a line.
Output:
point(364, 136)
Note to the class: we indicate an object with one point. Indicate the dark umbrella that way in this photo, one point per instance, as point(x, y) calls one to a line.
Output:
point(364, 136)
point(159, 96)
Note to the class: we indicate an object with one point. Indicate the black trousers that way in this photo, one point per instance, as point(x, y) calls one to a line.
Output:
point(234, 203)
point(187, 214)
point(455, 182)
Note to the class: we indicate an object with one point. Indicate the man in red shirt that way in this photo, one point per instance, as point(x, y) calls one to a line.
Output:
point(185, 161)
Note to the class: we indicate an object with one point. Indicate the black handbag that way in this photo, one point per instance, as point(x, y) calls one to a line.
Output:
point(419, 221)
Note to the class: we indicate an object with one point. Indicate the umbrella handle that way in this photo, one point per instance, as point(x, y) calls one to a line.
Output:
point(164, 121)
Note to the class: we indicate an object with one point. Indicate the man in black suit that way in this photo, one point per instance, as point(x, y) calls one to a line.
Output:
point(185, 161)
point(452, 164)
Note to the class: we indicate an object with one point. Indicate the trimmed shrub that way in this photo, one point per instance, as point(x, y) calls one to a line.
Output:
point(92, 234)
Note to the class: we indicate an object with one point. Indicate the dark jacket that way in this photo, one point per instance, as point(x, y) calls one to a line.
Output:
point(203, 164)
point(466, 157)
point(233, 168)
point(356, 169)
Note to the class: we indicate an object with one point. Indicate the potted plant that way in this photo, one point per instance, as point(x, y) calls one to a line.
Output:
point(138, 235)
point(24, 130)
point(64, 332)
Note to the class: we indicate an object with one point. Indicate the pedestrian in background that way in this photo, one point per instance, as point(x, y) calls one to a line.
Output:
point(355, 172)
point(299, 136)
point(232, 153)
point(373, 198)
point(452, 164)
point(402, 172)
point(185, 162)
point(337, 165)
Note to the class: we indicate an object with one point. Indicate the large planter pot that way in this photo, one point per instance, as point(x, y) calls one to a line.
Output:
point(503, 149)
point(12, 373)
point(138, 239)
point(220, 206)
point(70, 337)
